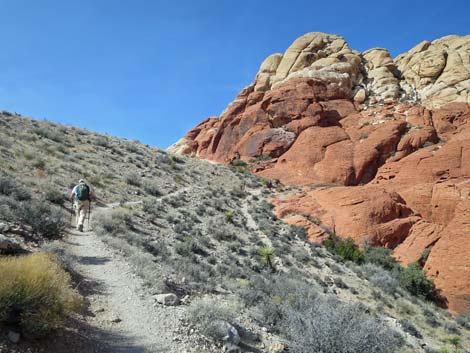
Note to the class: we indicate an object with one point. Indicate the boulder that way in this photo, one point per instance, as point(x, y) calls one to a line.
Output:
point(9, 244)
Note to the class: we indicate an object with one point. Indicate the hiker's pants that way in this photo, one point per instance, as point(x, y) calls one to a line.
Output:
point(81, 209)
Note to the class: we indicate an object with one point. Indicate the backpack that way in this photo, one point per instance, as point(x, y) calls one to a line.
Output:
point(82, 192)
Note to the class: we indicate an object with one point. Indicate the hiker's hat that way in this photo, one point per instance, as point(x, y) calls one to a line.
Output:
point(81, 181)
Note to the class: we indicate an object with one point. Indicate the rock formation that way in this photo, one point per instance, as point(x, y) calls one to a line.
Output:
point(381, 146)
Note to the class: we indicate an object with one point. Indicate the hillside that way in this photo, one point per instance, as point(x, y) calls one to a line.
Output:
point(379, 145)
point(244, 279)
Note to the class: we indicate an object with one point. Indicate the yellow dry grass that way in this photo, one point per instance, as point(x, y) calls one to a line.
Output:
point(36, 293)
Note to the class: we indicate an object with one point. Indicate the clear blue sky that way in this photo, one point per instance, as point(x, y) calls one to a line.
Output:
point(150, 70)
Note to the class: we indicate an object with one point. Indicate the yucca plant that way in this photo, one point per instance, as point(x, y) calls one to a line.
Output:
point(267, 254)
point(228, 216)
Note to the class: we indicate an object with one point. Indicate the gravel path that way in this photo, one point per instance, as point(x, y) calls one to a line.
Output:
point(119, 303)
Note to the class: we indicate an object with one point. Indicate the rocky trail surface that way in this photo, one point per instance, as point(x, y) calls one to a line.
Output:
point(121, 305)
point(122, 311)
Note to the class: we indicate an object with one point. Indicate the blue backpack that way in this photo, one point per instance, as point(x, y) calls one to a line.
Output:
point(82, 192)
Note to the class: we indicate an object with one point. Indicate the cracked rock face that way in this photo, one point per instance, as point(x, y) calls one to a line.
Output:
point(381, 146)
point(439, 71)
point(320, 56)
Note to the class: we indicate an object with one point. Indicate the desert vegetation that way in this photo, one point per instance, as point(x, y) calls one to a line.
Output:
point(36, 294)
point(207, 232)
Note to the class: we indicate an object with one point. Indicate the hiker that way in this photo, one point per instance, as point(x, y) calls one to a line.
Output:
point(81, 196)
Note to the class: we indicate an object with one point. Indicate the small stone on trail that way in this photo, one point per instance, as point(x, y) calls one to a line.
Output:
point(169, 299)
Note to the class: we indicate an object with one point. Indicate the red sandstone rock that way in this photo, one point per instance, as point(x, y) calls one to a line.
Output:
point(403, 169)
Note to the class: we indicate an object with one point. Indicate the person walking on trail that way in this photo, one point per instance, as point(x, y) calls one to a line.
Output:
point(81, 196)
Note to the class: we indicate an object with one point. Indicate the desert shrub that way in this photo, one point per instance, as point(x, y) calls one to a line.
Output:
point(53, 195)
point(183, 226)
point(177, 200)
point(10, 209)
point(162, 158)
point(335, 268)
point(9, 187)
point(39, 164)
point(45, 220)
point(187, 246)
point(176, 159)
point(101, 141)
point(35, 293)
point(115, 222)
point(64, 258)
point(408, 327)
point(152, 188)
point(414, 280)
point(260, 159)
point(221, 231)
point(311, 323)
point(431, 318)
point(425, 255)
point(347, 249)
point(381, 278)
point(452, 328)
point(205, 313)
point(49, 133)
point(238, 191)
point(464, 320)
point(22, 194)
point(133, 179)
point(152, 207)
point(270, 297)
point(239, 163)
point(338, 281)
point(326, 326)
point(157, 248)
point(380, 256)
point(294, 231)
point(428, 143)
point(95, 180)
point(131, 147)
point(302, 255)
point(456, 342)
point(199, 276)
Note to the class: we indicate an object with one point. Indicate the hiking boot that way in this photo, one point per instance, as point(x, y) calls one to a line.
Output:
point(80, 228)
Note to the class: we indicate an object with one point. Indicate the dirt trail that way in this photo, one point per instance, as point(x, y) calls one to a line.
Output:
point(120, 305)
